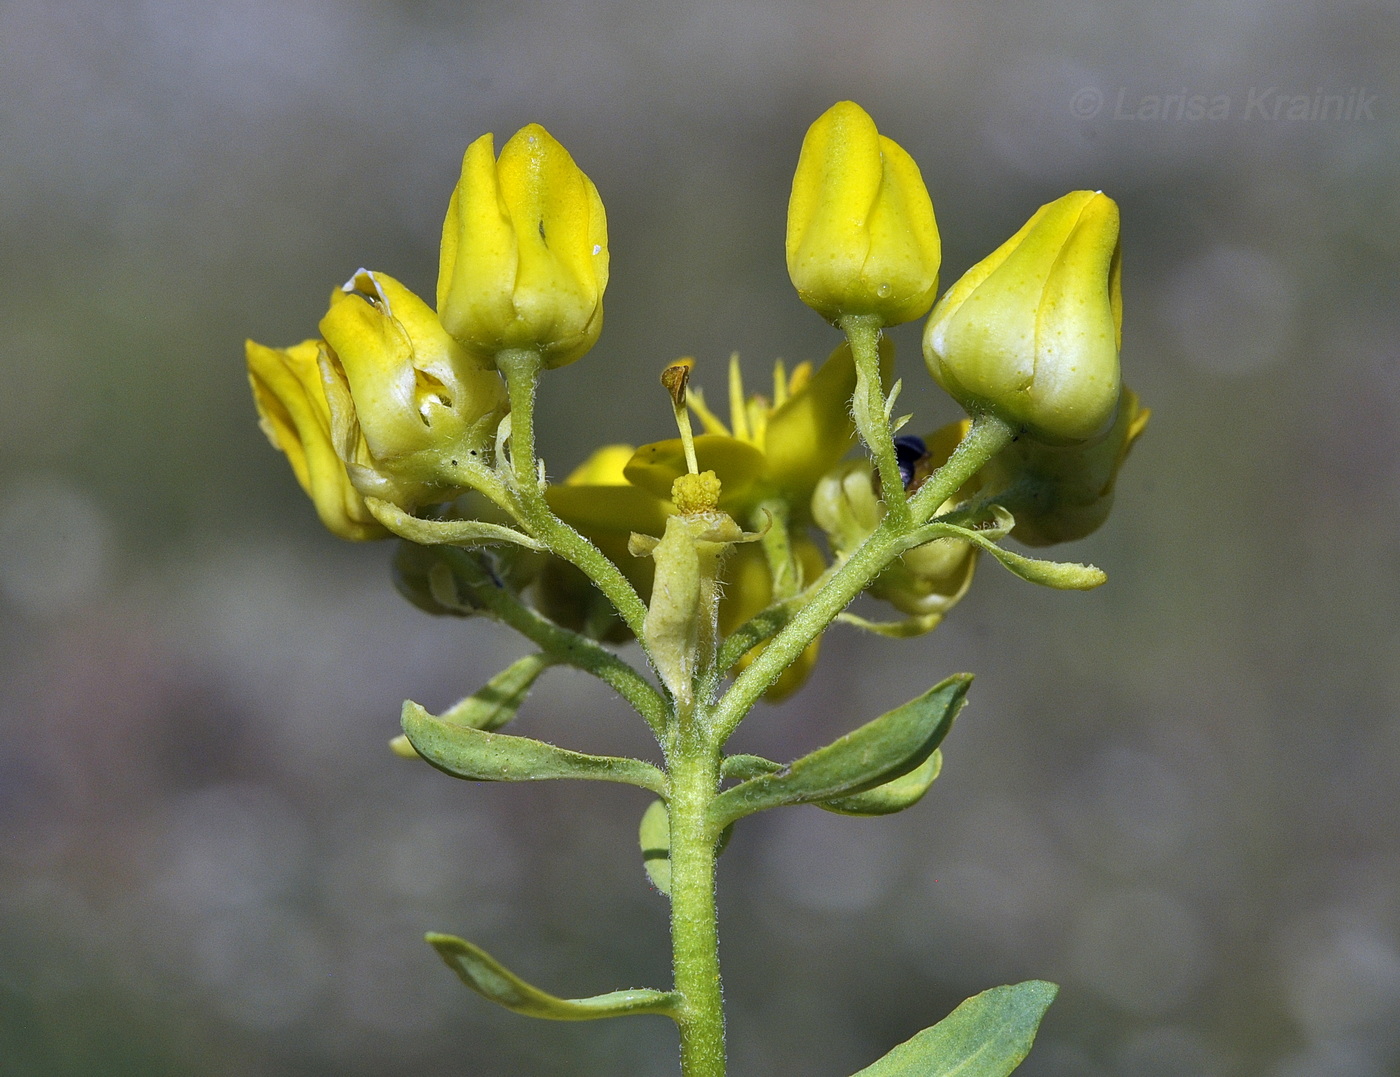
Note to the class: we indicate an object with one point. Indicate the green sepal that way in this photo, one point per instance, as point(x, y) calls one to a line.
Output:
point(492, 705)
point(499, 757)
point(877, 752)
point(1061, 575)
point(903, 792)
point(989, 1035)
point(489, 978)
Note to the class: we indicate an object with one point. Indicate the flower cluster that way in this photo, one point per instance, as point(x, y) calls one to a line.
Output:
point(398, 419)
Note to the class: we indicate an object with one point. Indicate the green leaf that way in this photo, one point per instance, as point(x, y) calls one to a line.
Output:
point(877, 752)
point(904, 792)
point(1061, 575)
point(446, 532)
point(498, 757)
point(896, 795)
point(907, 628)
point(491, 706)
point(654, 836)
point(498, 700)
point(743, 767)
point(488, 977)
point(987, 1036)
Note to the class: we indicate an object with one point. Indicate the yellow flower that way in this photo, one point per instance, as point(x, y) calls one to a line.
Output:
point(1059, 493)
point(861, 236)
point(524, 257)
point(293, 413)
point(926, 581)
point(1032, 332)
point(770, 452)
point(417, 396)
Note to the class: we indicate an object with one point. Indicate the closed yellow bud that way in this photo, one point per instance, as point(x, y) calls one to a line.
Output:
point(524, 259)
point(294, 414)
point(1032, 332)
point(861, 237)
point(416, 394)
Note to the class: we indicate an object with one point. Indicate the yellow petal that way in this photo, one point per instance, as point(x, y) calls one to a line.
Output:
point(809, 434)
point(738, 465)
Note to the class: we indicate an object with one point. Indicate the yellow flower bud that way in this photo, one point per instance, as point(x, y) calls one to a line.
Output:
point(1059, 493)
point(293, 413)
point(1031, 333)
point(524, 257)
point(861, 238)
point(416, 394)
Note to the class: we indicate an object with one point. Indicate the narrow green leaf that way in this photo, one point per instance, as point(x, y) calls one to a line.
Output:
point(654, 835)
point(492, 705)
point(907, 628)
point(498, 757)
point(877, 752)
point(987, 1036)
point(488, 977)
point(498, 700)
point(446, 532)
point(743, 767)
point(904, 792)
point(1061, 575)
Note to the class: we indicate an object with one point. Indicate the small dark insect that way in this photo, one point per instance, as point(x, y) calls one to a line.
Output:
point(909, 451)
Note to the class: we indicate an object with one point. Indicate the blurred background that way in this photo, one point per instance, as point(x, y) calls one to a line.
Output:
point(1175, 796)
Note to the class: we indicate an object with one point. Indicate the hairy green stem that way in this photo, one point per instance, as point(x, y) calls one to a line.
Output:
point(559, 643)
point(521, 368)
point(772, 518)
point(868, 407)
point(694, 783)
point(987, 437)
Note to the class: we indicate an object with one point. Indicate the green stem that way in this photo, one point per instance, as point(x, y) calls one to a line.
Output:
point(868, 406)
point(521, 368)
point(987, 437)
point(777, 547)
point(561, 644)
point(694, 781)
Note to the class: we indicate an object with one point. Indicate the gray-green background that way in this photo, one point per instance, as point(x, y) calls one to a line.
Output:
point(1176, 796)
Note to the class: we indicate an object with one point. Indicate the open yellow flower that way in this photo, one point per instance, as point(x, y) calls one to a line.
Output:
point(771, 453)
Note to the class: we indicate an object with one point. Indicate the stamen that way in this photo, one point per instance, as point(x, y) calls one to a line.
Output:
point(695, 400)
point(738, 409)
point(780, 385)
